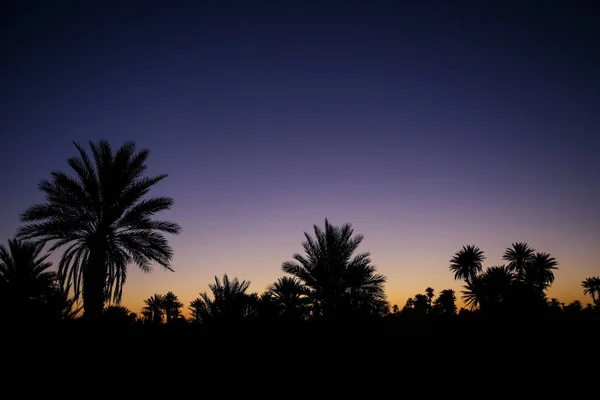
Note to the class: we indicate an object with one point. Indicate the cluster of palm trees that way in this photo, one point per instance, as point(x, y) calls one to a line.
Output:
point(519, 285)
point(103, 222)
point(426, 305)
point(162, 305)
point(328, 282)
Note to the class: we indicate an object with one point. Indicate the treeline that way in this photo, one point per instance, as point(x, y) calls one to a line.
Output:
point(103, 221)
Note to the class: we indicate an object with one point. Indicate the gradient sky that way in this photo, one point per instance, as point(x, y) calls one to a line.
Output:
point(427, 127)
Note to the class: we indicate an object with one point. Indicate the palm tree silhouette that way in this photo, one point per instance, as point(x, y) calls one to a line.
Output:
point(539, 273)
point(430, 295)
point(154, 307)
point(467, 262)
point(172, 307)
point(229, 302)
point(289, 295)
point(336, 281)
point(103, 220)
point(518, 257)
point(474, 294)
point(591, 286)
point(25, 280)
point(445, 304)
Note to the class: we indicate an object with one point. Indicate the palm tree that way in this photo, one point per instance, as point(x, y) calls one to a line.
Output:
point(172, 307)
point(102, 220)
point(336, 281)
point(445, 304)
point(421, 305)
point(591, 286)
point(229, 302)
point(430, 295)
point(538, 273)
point(289, 295)
point(518, 257)
point(467, 262)
point(25, 280)
point(155, 307)
point(474, 294)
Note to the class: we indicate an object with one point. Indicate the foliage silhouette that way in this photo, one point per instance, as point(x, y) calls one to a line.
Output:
point(229, 302)
point(445, 304)
point(591, 286)
point(172, 307)
point(290, 297)
point(519, 255)
point(337, 283)
point(467, 262)
point(153, 311)
point(516, 289)
point(26, 284)
point(103, 221)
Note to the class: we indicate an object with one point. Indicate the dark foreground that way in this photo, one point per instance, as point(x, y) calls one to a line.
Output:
point(342, 357)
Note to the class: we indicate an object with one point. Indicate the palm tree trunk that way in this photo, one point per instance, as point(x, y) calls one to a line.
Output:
point(93, 288)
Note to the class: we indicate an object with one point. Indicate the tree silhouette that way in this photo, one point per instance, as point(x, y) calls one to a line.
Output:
point(25, 281)
point(118, 315)
point(338, 283)
point(445, 304)
point(60, 303)
point(430, 295)
point(290, 297)
point(467, 262)
point(518, 257)
point(421, 305)
point(474, 294)
point(591, 286)
point(154, 308)
point(103, 221)
point(229, 302)
point(172, 307)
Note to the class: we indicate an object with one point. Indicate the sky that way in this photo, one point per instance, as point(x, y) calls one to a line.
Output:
point(426, 125)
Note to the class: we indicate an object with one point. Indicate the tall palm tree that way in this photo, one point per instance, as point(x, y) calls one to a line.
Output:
point(591, 286)
point(25, 280)
point(229, 302)
point(155, 307)
point(289, 295)
point(467, 262)
point(102, 220)
point(337, 281)
point(519, 256)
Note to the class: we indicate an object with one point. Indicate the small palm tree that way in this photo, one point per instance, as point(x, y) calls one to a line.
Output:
point(467, 262)
point(591, 286)
point(25, 280)
point(430, 295)
point(172, 307)
point(229, 302)
point(445, 304)
point(102, 220)
point(289, 295)
point(154, 307)
point(337, 281)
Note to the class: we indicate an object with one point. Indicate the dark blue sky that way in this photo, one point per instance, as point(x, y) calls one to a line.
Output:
point(391, 114)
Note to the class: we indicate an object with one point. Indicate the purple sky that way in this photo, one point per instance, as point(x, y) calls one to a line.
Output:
point(427, 127)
